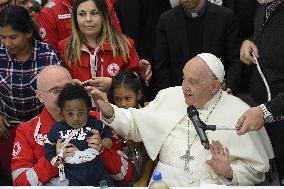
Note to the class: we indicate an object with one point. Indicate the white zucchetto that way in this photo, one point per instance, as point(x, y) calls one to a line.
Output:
point(215, 65)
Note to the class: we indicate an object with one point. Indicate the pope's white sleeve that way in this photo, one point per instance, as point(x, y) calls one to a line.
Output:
point(245, 175)
point(124, 124)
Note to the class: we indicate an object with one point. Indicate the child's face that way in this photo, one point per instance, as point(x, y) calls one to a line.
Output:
point(75, 113)
point(125, 97)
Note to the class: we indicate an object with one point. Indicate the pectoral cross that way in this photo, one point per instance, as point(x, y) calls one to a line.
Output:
point(187, 158)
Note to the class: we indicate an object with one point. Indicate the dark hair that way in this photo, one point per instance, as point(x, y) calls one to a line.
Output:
point(73, 91)
point(36, 6)
point(19, 19)
point(127, 79)
point(43, 2)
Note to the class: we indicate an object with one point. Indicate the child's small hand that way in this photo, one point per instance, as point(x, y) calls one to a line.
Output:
point(58, 162)
point(107, 143)
point(95, 140)
point(68, 151)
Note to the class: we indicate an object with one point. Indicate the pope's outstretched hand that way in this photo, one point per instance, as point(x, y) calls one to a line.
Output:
point(101, 101)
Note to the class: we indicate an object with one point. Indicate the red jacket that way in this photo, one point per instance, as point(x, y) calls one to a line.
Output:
point(30, 167)
point(107, 65)
point(115, 21)
point(54, 20)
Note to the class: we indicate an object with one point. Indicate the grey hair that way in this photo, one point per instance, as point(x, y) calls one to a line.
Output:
point(210, 75)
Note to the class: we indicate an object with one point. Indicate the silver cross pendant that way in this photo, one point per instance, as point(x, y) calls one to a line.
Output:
point(187, 158)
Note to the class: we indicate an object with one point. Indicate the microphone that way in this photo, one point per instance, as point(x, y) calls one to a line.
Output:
point(198, 125)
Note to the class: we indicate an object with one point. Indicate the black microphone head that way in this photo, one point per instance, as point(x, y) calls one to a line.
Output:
point(192, 111)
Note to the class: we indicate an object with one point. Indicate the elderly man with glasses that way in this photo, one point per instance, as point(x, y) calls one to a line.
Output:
point(29, 165)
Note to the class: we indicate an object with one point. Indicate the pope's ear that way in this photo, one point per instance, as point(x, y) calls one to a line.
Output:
point(215, 86)
point(39, 95)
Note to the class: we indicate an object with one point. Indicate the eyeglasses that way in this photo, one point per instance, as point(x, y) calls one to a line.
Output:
point(55, 91)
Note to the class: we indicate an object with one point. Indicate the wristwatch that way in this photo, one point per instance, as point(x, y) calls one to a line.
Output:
point(268, 117)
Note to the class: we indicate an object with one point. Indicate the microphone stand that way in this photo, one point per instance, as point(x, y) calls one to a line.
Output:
point(201, 127)
point(214, 127)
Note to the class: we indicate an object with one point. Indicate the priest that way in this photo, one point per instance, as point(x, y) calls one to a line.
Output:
point(167, 131)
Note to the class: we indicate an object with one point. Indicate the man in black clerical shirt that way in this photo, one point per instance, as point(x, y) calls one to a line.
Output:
point(193, 27)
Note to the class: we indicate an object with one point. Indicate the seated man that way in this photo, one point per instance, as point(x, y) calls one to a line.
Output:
point(165, 129)
point(29, 165)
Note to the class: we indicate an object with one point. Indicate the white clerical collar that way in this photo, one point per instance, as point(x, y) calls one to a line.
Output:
point(213, 101)
point(217, 2)
point(174, 3)
point(196, 14)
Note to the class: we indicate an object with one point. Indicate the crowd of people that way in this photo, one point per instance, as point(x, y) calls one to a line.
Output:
point(94, 90)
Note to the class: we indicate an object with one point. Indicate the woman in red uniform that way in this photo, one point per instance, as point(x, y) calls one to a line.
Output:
point(96, 48)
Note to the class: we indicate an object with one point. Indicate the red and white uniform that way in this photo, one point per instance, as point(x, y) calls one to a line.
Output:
point(100, 62)
point(54, 21)
point(30, 167)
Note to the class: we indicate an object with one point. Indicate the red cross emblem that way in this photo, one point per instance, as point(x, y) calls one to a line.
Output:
point(113, 69)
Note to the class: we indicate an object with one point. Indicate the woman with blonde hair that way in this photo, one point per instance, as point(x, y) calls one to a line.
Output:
point(96, 48)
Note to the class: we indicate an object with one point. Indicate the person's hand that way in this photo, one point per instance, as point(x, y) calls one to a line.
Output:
point(77, 81)
point(57, 162)
point(220, 162)
point(131, 145)
point(3, 3)
point(101, 83)
point(101, 101)
point(69, 149)
point(95, 141)
point(4, 132)
point(107, 143)
point(247, 48)
point(251, 120)
point(146, 71)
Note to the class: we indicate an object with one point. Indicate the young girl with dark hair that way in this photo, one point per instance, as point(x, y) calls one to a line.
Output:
point(126, 92)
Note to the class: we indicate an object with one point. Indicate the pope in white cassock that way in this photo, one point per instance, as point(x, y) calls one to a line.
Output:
point(168, 133)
